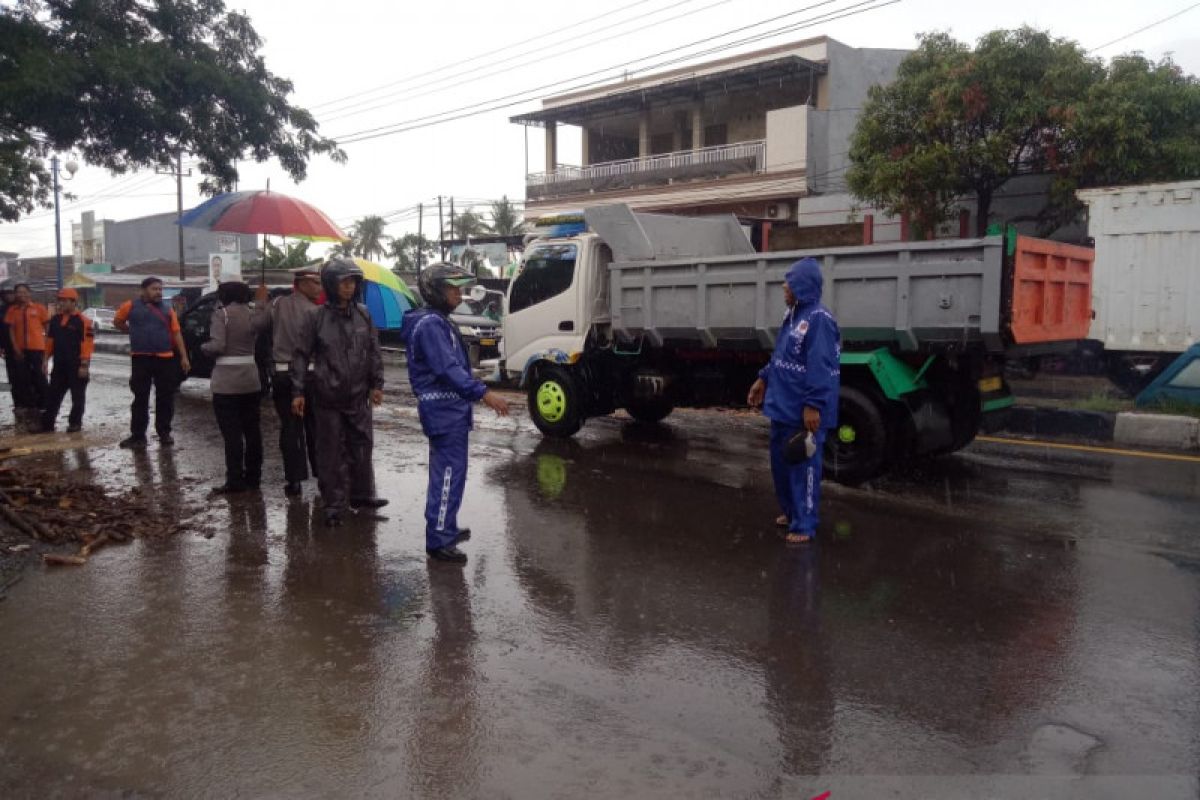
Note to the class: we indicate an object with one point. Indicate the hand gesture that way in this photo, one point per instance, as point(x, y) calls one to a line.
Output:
point(812, 419)
point(377, 397)
point(757, 392)
point(298, 406)
point(496, 403)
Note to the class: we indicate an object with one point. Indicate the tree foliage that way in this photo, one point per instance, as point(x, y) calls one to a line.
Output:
point(368, 237)
point(961, 122)
point(404, 251)
point(130, 83)
point(506, 220)
point(291, 256)
point(466, 225)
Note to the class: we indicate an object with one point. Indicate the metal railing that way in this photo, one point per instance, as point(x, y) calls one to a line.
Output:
point(665, 161)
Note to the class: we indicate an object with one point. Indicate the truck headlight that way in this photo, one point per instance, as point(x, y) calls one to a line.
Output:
point(466, 330)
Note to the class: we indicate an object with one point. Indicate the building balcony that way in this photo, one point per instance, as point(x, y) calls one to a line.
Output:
point(707, 163)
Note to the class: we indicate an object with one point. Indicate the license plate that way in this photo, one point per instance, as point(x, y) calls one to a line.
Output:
point(488, 342)
point(991, 385)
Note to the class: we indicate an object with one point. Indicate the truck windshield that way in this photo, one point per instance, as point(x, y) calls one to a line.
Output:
point(548, 271)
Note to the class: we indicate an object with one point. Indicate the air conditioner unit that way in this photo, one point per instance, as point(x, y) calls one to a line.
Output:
point(777, 211)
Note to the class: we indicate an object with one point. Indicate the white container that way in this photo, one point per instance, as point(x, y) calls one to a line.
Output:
point(1146, 279)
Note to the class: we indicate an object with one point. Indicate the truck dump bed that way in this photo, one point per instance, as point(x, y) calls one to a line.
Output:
point(690, 282)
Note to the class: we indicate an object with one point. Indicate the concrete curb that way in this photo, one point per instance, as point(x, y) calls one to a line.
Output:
point(1128, 429)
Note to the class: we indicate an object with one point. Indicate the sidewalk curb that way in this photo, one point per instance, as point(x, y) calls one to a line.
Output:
point(1129, 429)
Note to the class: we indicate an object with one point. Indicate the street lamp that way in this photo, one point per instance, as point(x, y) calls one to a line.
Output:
point(71, 167)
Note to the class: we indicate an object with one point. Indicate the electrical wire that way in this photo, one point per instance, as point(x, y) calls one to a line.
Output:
point(1145, 28)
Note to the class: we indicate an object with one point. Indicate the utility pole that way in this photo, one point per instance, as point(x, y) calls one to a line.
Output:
point(441, 231)
point(420, 235)
point(179, 175)
point(57, 225)
point(451, 219)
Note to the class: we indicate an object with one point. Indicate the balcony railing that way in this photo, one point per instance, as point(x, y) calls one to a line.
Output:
point(749, 156)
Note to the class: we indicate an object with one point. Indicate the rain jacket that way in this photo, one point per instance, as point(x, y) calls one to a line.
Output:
point(805, 369)
point(440, 372)
point(344, 351)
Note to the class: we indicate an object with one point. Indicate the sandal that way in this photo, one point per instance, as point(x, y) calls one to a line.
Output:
point(782, 520)
point(798, 538)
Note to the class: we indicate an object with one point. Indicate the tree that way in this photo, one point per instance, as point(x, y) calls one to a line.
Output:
point(506, 221)
point(959, 122)
point(369, 240)
point(130, 84)
point(291, 256)
point(343, 249)
point(466, 225)
point(405, 248)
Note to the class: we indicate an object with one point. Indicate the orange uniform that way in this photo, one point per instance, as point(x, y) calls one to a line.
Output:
point(75, 332)
point(27, 326)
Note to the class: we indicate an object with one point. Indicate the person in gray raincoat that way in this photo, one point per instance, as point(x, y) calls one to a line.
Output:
point(339, 340)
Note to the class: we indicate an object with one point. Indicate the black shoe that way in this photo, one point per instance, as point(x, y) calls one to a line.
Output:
point(449, 553)
point(292, 489)
point(134, 443)
point(166, 441)
point(333, 519)
point(464, 535)
point(74, 428)
point(229, 488)
point(368, 502)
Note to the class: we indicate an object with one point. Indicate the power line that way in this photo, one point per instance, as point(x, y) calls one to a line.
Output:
point(475, 109)
point(473, 59)
point(1145, 28)
point(538, 56)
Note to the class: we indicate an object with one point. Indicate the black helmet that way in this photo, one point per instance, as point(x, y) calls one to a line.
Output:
point(334, 272)
point(434, 280)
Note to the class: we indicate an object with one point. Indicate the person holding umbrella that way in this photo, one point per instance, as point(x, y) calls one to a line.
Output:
point(340, 342)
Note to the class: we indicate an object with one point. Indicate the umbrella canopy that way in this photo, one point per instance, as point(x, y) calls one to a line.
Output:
point(385, 295)
point(263, 212)
point(377, 273)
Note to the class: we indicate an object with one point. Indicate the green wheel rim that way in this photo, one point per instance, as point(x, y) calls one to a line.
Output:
point(847, 434)
point(552, 401)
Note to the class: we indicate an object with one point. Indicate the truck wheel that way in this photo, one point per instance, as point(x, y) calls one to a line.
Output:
point(857, 448)
point(649, 411)
point(554, 402)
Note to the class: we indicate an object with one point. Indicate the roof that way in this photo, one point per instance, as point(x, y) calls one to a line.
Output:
point(625, 99)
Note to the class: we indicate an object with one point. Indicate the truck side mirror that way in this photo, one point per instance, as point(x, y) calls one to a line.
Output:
point(478, 293)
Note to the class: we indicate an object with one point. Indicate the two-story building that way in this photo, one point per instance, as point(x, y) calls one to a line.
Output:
point(756, 135)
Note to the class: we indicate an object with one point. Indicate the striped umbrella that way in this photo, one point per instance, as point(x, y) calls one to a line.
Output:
point(264, 212)
point(385, 295)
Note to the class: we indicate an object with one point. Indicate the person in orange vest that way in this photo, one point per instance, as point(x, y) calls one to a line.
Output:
point(26, 323)
point(70, 341)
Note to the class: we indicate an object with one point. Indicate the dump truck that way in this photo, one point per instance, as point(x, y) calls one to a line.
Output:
point(616, 309)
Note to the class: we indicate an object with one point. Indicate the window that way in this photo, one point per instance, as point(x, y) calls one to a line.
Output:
point(547, 272)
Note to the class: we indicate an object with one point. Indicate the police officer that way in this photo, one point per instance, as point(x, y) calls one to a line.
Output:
point(70, 341)
point(297, 435)
point(439, 370)
point(235, 384)
point(340, 341)
point(798, 392)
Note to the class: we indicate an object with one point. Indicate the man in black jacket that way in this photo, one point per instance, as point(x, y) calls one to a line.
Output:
point(340, 342)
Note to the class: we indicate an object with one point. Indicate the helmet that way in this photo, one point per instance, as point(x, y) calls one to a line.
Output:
point(335, 271)
point(434, 280)
point(67, 294)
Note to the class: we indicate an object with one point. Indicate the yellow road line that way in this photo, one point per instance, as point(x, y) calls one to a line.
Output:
point(1111, 451)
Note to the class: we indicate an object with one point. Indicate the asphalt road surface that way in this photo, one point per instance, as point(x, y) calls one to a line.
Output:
point(1013, 621)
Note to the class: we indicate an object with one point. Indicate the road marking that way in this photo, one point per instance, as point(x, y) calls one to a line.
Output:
point(1111, 451)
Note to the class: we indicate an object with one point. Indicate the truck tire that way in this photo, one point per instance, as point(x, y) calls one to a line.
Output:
point(857, 449)
point(554, 402)
point(650, 411)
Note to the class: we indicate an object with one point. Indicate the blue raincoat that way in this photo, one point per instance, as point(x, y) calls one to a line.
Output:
point(440, 373)
point(805, 370)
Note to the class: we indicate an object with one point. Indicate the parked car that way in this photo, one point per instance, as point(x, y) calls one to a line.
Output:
point(194, 323)
point(101, 319)
point(478, 321)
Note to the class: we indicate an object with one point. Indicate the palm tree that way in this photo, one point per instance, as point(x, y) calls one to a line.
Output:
point(506, 221)
point(369, 238)
point(404, 251)
point(466, 225)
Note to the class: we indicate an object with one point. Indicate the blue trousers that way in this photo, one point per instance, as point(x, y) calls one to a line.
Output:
point(447, 479)
point(797, 486)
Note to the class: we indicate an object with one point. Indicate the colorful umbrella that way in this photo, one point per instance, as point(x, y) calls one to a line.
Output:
point(385, 295)
point(263, 212)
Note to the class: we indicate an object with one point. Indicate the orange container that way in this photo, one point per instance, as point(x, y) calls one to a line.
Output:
point(1052, 291)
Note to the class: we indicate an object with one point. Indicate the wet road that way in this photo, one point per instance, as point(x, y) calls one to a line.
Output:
point(1010, 622)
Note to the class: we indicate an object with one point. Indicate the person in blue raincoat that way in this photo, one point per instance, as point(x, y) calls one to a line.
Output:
point(798, 392)
point(440, 373)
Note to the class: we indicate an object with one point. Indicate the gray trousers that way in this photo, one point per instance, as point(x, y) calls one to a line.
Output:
point(345, 444)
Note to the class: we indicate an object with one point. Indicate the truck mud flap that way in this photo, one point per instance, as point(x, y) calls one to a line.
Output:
point(932, 431)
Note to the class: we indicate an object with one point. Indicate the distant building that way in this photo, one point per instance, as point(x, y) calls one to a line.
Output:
point(753, 135)
point(151, 238)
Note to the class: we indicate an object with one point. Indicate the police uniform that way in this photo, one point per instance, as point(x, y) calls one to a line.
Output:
point(297, 436)
point(804, 371)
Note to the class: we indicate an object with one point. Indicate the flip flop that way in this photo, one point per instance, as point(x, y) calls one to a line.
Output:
point(782, 520)
point(798, 538)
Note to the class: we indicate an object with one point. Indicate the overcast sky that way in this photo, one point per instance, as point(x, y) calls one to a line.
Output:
point(361, 65)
